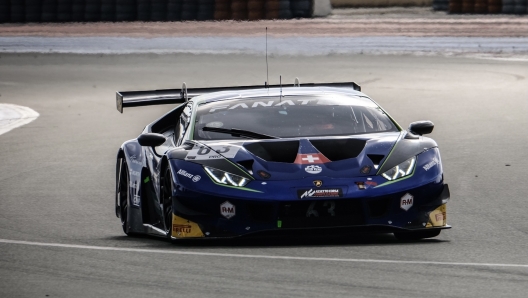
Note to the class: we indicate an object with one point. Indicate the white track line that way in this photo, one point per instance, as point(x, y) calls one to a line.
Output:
point(13, 116)
point(212, 254)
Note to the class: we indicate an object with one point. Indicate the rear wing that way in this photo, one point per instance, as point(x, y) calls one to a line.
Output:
point(126, 99)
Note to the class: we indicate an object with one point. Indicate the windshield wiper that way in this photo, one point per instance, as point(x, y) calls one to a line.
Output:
point(239, 133)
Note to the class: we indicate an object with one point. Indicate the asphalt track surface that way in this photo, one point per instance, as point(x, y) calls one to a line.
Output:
point(59, 236)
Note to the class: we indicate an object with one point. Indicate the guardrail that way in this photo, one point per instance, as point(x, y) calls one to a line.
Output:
point(34, 11)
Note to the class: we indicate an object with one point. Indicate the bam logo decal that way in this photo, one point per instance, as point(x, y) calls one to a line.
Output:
point(406, 201)
point(227, 209)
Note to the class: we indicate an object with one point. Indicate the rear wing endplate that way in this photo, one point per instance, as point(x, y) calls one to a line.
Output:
point(126, 99)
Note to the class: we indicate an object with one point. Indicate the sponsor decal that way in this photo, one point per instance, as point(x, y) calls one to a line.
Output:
point(431, 164)
point(264, 174)
point(361, 185)
point(371, 183)
point(320, 193)
point(406, 202)
point(182, 228)
point(256, 104)
point(365, 170)
point(313, 169)
point(438, 217)
point(312, 158)
point(184, 173)
point(212, 152)
point(136, 161)
point(134, 173)
point(136, 200)
point(318, 183)
point(227, 209)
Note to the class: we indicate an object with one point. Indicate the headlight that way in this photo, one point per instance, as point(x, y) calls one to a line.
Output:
point(404, 169)
point(226, 178)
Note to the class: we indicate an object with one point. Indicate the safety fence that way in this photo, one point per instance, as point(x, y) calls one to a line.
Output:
point(482, 6)
point(32, 11)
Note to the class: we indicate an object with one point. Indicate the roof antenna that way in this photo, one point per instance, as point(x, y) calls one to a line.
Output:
point(280, 83)
point(267, 74)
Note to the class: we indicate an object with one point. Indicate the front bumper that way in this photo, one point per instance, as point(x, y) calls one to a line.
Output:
point(221, 217)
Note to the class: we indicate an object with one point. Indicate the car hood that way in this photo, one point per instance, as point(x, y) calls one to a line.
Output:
point(287, 159)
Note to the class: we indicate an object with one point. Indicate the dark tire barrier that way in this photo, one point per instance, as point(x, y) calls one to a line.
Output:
point(108, 10)
point(508, 6)
point(468, 6)
point(222, 10)
point(17, 11)
point(256, 9)
point(158, 10)
point(5, 11)
point(284, 9)
point(303, 8)
point(143, 10)
point(77, 11)
point(455, 6)
point(189, 10)
point(64, 10)
point(481, 6)
point(494, 6)
point(520, 6)
point(49, 11)
point(32, 11)
point(92, 10)
point(125, 10)
point(186, 10)
point(205, 10)
point(441, 5)
point(174, 10)
point(239, 10)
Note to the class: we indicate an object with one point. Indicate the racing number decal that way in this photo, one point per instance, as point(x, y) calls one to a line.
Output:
point(312, 212)
point(331, 208)
point(202, 152)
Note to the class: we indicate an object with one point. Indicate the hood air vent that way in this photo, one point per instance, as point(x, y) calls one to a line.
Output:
point(339, 149)
point(376, 159)
point(275, 151)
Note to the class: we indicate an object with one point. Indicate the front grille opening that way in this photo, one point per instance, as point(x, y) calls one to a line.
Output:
point(324, 213)
point(379, 207)
point(339, 149)
point(277, 151)
point(261, 212)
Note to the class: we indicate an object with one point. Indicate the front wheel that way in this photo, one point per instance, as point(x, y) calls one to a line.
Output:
point(123, 195)
point(416, 235)
point(166, 199)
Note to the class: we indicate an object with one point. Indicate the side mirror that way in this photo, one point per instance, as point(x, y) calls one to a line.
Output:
point(421, 127)
point(151, 139)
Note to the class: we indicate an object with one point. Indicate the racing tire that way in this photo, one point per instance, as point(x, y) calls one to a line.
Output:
point(166, 189)
point(32, 11)
point(416, 235)
point(4, 11)
point(49, 11)
point(77, 11)
point(108, 8)
point(174, 10)
point(123, 195)
point(92, 11)
point(64, 10)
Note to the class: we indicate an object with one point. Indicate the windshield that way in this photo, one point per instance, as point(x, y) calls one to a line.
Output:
point(291, 117)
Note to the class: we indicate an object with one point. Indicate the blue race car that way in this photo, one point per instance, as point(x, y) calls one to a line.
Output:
point(277, 160)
